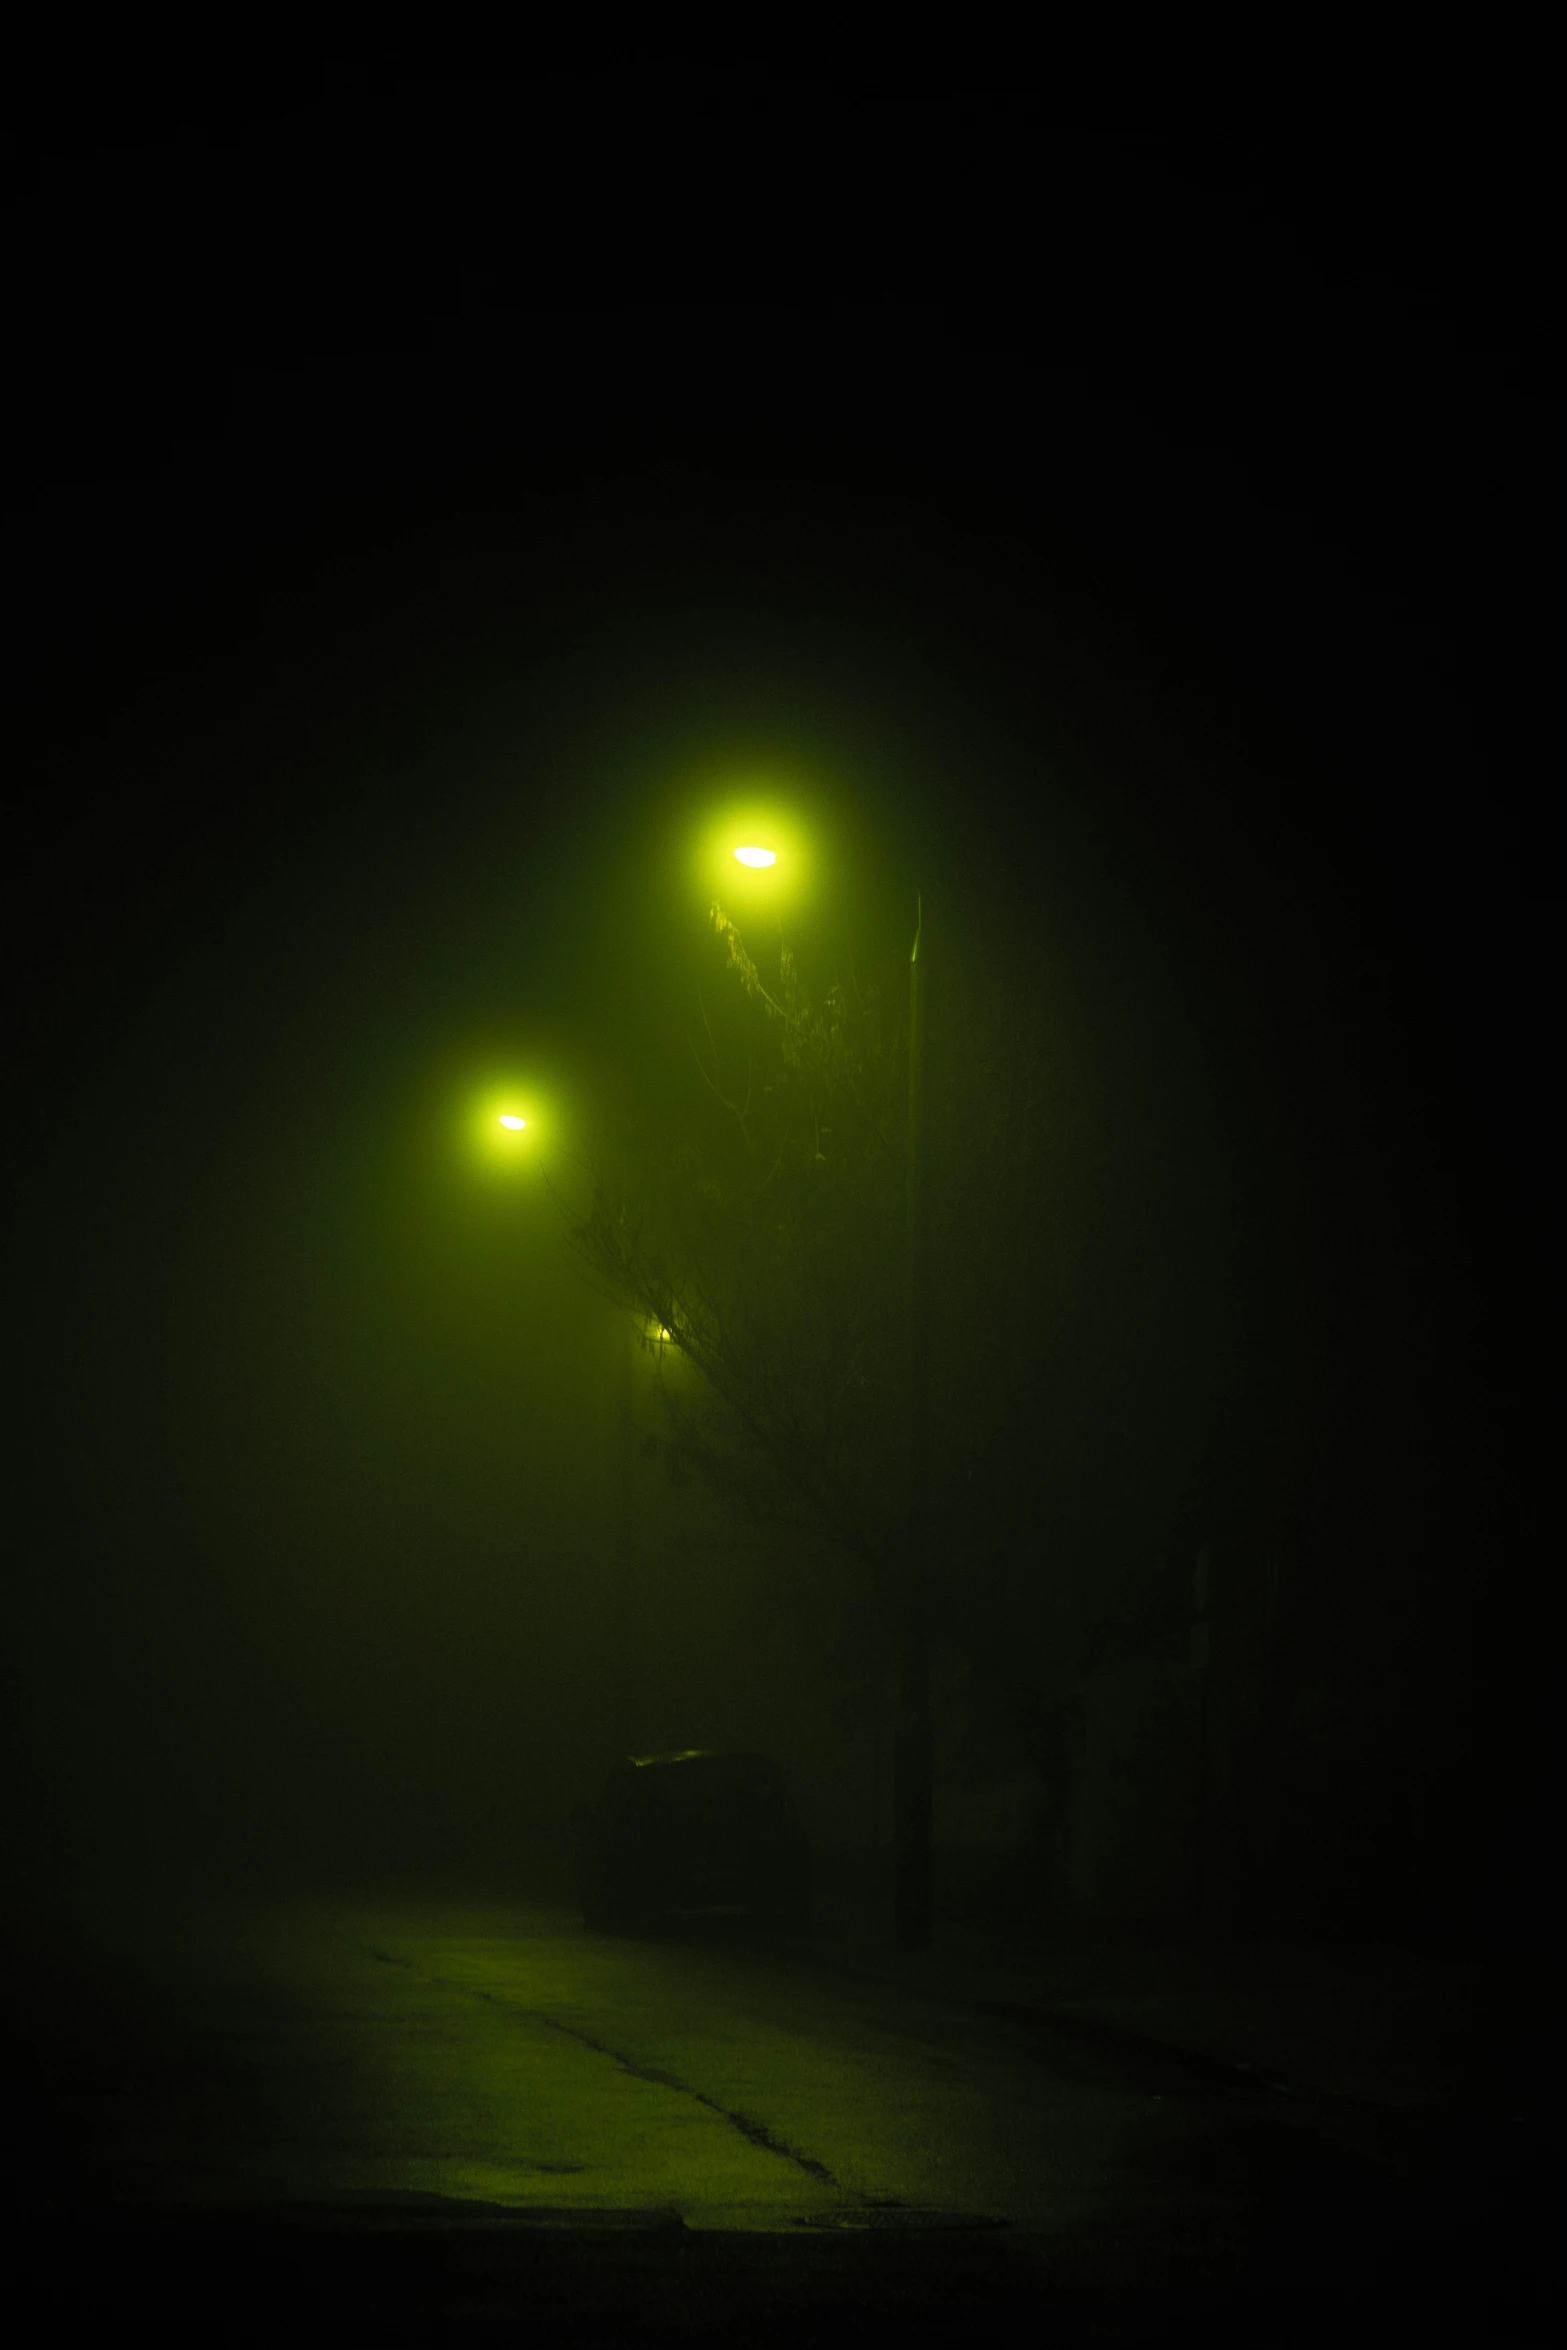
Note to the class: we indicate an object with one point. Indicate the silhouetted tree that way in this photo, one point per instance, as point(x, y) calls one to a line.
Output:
point(765, 1238)
point(761, 1224)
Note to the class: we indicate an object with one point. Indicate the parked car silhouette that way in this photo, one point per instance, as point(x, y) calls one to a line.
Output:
point(699, 1832)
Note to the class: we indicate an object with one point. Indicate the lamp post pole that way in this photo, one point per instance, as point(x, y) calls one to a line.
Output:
point(912, 1754)
point(912, 1739)
point(627, 1729)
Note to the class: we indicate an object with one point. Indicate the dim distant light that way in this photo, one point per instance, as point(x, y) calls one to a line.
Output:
point(756, 857)
point(516, 1124)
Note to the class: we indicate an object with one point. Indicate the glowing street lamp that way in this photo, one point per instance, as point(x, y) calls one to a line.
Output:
point(752, 847)
point(506, 1123)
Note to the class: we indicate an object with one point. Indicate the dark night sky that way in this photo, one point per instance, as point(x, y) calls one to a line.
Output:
point(421, 498)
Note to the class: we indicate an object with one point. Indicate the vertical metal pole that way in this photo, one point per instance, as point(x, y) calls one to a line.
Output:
point(627, 1729)
point(912, 1741)
point(1202, 1663)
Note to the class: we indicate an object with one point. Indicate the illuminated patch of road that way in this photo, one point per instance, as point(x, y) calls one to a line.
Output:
point(860, 2214)
point(757, 2132)
point(831, 2195)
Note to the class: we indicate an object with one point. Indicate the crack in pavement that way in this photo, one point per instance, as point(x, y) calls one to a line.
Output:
point(757, 2132)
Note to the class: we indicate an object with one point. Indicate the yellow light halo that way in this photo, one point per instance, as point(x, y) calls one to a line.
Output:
point(509, 1119)
point(743, 826)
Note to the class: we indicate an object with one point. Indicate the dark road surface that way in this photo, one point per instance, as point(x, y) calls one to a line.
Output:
point(410, 2115)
